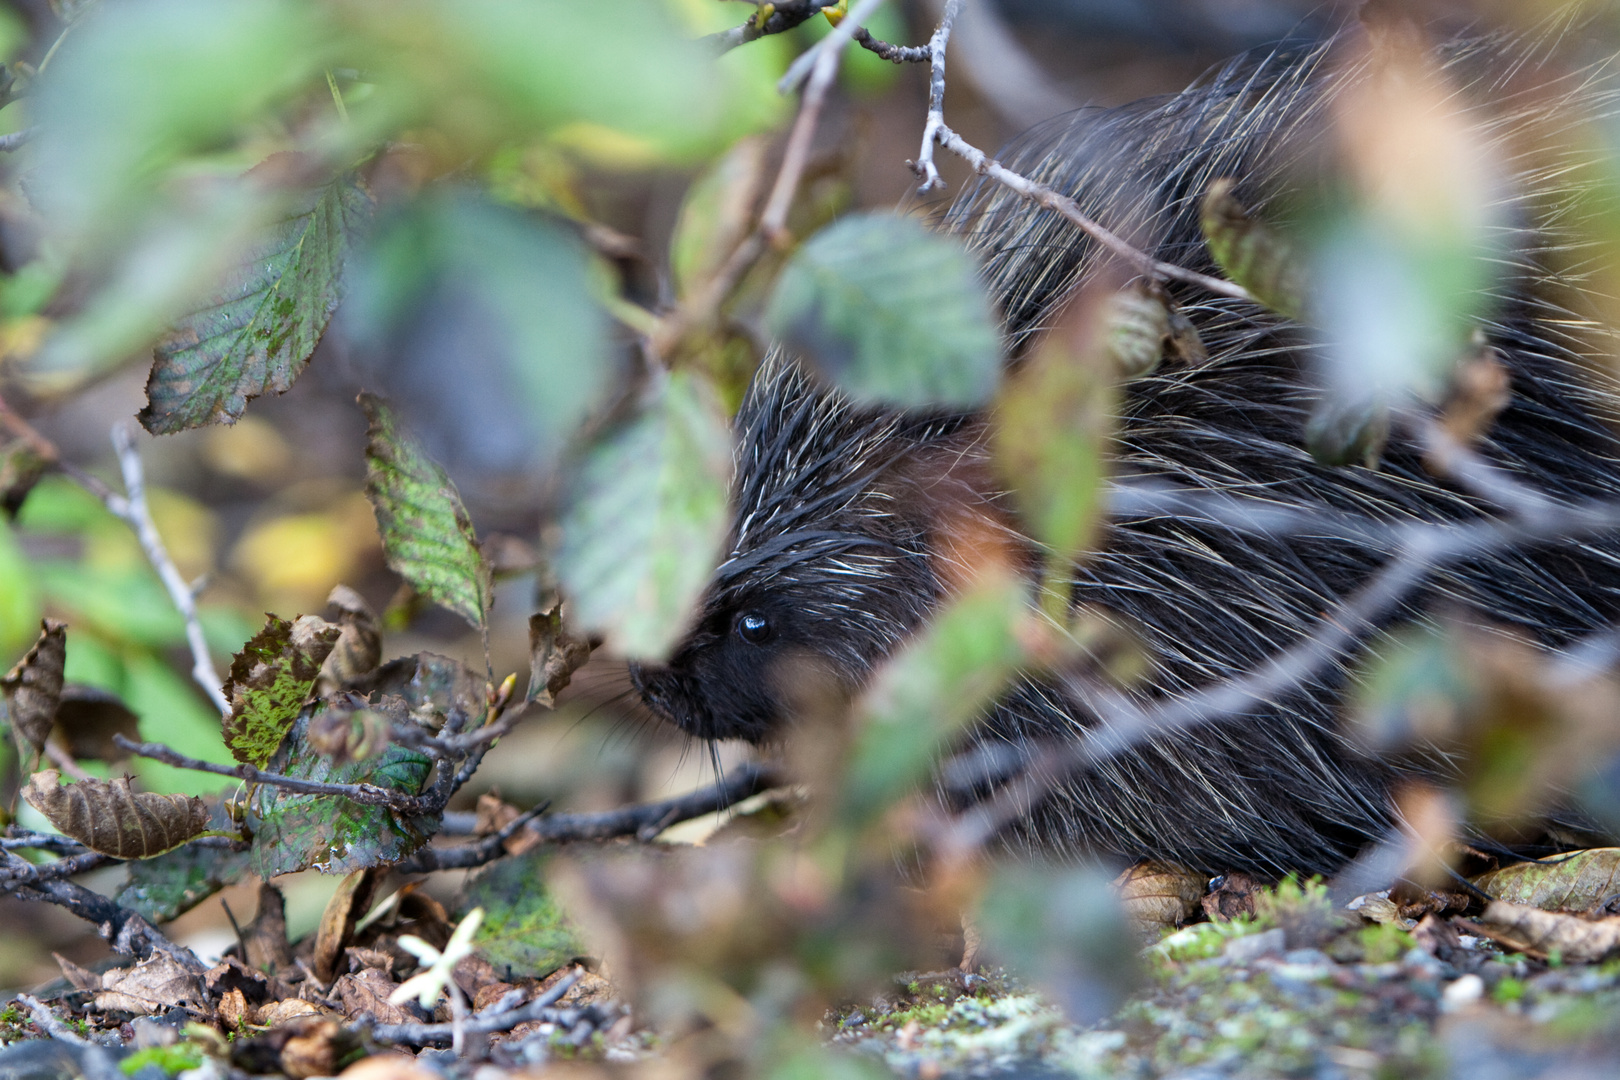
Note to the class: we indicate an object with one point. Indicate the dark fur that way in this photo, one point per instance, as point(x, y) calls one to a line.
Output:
point(837, 535)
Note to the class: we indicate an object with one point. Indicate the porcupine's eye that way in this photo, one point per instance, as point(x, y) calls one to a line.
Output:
point(753, 628)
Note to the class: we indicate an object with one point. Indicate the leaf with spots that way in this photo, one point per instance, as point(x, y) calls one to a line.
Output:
point(270, 680)
point(293, 831)
point(109, 817)
point(428, 539)
point(260, 329)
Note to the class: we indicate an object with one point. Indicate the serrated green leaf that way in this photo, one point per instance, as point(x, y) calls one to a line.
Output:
point(293, 832)
point(890, 312)
point(525, 932)
point(643, 529)
point(257, 334)
point(428, 539)
point(270, 680)
point(165, 887)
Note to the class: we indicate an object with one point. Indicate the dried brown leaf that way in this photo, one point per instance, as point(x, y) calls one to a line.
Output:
point(265, 938)
point(366, 991)
point(1542, 934)
point(359, 645)
point(1577, 882)
point(388, 1066)
point(351, 900)
point(554, 655)
point(1160, 894)
point(1231, 897)
point(87, 719)
point(110, 817)
point(313, 1051)
point(82, 978)
point(154, 985)
point(33, 688)
point(233, 1010)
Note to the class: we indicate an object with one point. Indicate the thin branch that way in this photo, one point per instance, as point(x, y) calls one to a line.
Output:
point(369, 794)
point(16, 140)
point(16, 838)
point(468, 856)
point(784, 17)
point(133, 509)
point(841, 35)
point(16, 869)
point(1042, 195)
point(120, 927)
point(895, 54)
point(48, 1024)
point(538, 1009)
point(649, 819)
point(924, 165)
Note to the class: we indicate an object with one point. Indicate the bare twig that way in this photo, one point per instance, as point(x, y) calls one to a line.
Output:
point(841, 35)
point(53, 842)
point(924, 165)
point(132, 509)
point(482, 1024)
point(120, 927)
point(14, 868)
point(649, 819)
point(1042, 195)
point(783, 17)
point(1449, 456)
point(16, 140)
point(369, 794)
point(467, 856)
point(48, 1024)
point(895, 54)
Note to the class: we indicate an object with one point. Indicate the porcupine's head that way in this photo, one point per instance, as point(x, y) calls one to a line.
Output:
point(834, 555)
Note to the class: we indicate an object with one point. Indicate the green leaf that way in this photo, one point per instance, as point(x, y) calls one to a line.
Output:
point(1579, 882)
point(171, 884)
point(939, 682)
point(456, 282)
point(293, 832)
point(257, 334)
point(1252, 253)
point(643, 527)
point(428, 539)
point(525, 933)
point(1052, 422)
point(270, 680)
point(890, 312)
point(136, 86)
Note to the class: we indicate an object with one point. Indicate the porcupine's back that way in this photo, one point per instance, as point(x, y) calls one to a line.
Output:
point(1275, 790)
point(835, 550)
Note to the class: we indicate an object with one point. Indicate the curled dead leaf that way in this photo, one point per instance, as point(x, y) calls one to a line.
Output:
point(1579, 881)
point(33, 688)
point(1542, 934)
point(110, 817)
point(359, 645)
point(554, 654)
point(1160, 894)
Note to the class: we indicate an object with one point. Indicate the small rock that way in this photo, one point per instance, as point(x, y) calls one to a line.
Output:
point(1462, 993)
point(1245, 950)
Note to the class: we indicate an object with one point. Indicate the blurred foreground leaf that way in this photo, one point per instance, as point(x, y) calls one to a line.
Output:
point(107, 816)
point(642, 531)
point(258, 332)
point(525, 933)
point(939, 682)
point(890, 313)
point(428, 539)
point(270, 680)
point(1064, 928)
point(456, 284)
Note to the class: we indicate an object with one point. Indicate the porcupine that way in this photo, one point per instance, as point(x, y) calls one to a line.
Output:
point(833, 549)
